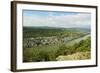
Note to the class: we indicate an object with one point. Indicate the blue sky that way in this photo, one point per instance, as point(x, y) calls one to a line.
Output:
point(56, 19)
point(45, 13)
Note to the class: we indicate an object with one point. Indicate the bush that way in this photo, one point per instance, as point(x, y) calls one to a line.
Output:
point(64, 50)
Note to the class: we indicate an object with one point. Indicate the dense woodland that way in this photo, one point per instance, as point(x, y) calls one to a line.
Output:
point(50, 43)
point(30, 32)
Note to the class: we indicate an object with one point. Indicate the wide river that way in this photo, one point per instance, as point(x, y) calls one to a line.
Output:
point(77, 40)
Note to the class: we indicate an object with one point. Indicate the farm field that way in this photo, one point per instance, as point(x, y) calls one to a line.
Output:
point(50, 43)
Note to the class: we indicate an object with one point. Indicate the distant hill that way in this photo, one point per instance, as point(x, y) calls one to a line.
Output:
point(51, 31)
point(56, 28)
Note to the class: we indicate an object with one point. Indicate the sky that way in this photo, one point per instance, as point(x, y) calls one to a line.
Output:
point(56, 19)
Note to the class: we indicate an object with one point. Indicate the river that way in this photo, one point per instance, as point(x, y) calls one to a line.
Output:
point(77, 40)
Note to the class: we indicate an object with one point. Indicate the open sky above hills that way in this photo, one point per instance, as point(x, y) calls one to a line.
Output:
point(33, 18)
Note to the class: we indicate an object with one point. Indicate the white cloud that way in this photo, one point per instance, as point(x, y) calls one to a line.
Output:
point(74, 20)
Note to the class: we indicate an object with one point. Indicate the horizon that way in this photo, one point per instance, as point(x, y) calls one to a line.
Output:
point(56, 27)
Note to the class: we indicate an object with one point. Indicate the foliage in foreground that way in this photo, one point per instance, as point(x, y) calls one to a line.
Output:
point(82, 46)
point(50, 53)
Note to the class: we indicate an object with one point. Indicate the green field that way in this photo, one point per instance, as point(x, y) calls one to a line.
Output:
point(48, 43)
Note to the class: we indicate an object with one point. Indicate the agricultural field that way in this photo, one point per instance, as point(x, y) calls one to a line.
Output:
point(53, 44)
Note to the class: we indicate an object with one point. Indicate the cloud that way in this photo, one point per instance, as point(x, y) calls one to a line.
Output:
point(58, 20)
